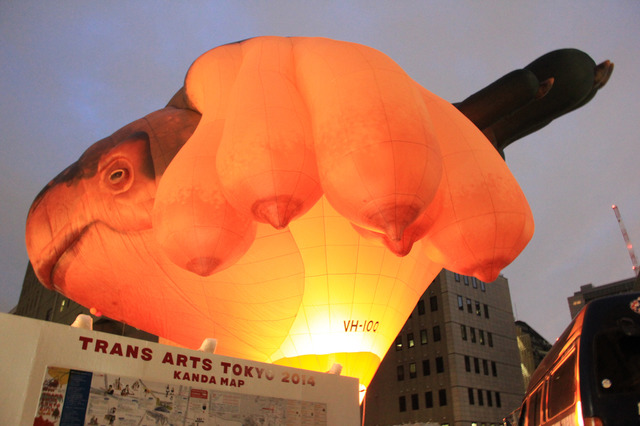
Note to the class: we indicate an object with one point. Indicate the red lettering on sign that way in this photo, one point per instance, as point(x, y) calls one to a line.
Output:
point(237, 369)
point(85, 342)
point(116, 349)
point(181, 360)
point(206, 364)
point(147, 354)
point(101, 346)
point(259, 371)
point(194, 361)
point(168, 358)
point(132, 351)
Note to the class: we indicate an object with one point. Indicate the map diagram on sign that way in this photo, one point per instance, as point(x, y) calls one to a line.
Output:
point(75, 397)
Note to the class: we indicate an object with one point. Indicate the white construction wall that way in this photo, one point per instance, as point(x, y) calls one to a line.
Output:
point(58, 375)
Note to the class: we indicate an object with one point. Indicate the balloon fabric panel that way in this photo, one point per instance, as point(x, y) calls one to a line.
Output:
point(195, 224)
point(371, 130)
point(266, 161)
point(485, 220)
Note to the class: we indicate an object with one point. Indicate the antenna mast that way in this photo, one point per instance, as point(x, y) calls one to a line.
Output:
point(627, 241)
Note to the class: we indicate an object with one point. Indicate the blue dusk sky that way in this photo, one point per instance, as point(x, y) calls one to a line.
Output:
point(72, 72)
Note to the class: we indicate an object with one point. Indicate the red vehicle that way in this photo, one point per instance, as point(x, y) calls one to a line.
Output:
point(591, 376)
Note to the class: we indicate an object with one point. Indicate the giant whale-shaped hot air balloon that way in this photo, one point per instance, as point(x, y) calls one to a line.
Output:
point(295, 199)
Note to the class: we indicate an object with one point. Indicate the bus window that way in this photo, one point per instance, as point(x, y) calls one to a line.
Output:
point(562, 387)
point(617, 352)
point(533, 416)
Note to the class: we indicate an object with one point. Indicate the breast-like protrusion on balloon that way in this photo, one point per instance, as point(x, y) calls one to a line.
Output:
point(378, 160)
point(209, 81)
point(194, 224)
point(413, 233)
point(266, 160)
point(485, 220)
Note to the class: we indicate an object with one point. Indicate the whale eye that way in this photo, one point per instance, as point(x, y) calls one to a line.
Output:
point(118, 175)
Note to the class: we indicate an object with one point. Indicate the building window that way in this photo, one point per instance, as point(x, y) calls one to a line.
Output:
point(410, 342)
point(489, 400)
point(481, 335)
point(402, 402)
point(436, 333)
point(490, 339)
point(467, 363)
point(414, 401)
point(63, 304)
point(486, 310)
point(412, 370)
point(456, 277)
point(399, 343)
point(426, 367)
point(428, 399)
point(442, 397)
point(433, 302)
point(469, 308)
point(440, 364)
point(466, 280)
point(400, 372)
point(463, 331)
point(471, 399)
point(478, 313)
point(485, 367)
point(423, 336)
point(480, 397)
point(460, 303)
point(476, 365)
point(474, 282)
point(473, 334)
point(47, 317)
point(498, 402)
point(420, 307)
point(494, 369)
point(482, 286)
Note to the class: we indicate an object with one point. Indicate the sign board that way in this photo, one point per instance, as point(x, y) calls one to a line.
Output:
point(58, 375)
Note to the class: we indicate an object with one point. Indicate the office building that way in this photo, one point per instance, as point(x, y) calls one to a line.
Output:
point(589, 292)
point(455, 362)
point(533, 348)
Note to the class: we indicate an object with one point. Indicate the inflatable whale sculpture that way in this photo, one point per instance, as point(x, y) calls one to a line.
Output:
point(295, 199)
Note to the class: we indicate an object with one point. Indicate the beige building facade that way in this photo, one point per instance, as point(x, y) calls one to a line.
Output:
point(455, 362)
